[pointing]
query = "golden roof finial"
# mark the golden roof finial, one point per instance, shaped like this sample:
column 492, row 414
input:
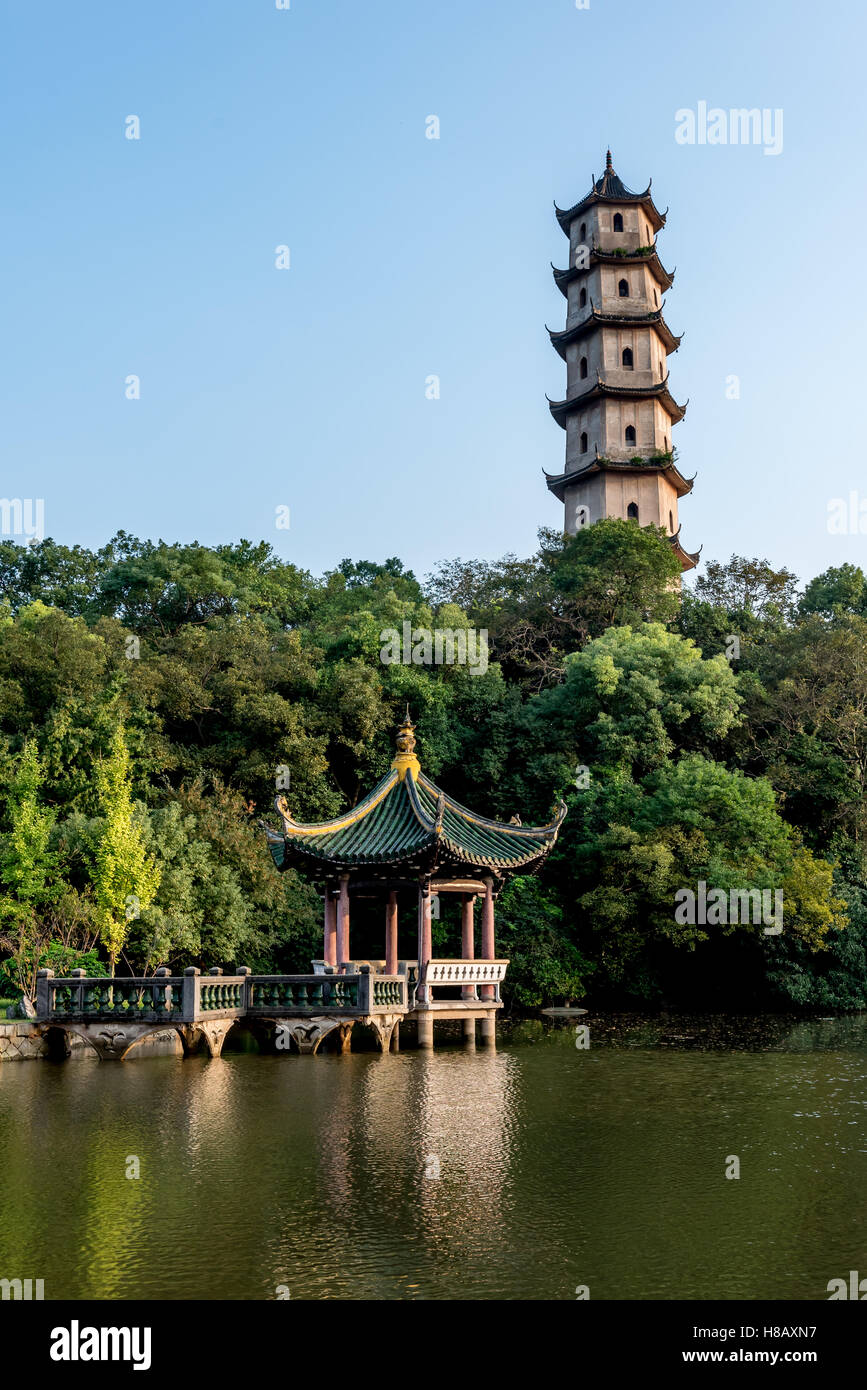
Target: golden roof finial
column 406, row 758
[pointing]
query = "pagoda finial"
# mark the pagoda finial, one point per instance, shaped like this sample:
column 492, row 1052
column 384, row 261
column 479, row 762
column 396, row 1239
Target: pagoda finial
column 406, row 760
column 609, row 167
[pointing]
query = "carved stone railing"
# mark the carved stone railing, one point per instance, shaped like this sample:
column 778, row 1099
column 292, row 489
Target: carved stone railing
column 468, row 975
column 192, row 997
column 352, row 995
column 141, row 999
column 94, row 998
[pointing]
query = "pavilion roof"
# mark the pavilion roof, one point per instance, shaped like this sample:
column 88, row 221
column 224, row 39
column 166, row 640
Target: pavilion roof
column 407, row 821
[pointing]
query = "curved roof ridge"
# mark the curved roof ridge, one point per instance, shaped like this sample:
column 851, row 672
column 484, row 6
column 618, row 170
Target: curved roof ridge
column 373, row 798
column 461, row 810
column 416, row 803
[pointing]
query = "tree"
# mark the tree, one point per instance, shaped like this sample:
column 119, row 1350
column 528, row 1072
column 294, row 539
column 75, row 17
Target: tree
column 628, row 848
column 29, row 873
column 751, row 587
column 539, row 611
column 125, row 878
column 544, row 966
column 808, row 726
column 835, row 592
column 631, row 698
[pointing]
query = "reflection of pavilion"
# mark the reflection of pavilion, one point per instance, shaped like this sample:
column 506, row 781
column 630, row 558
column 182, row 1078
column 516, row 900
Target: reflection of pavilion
column 429, row 1138
column 408, row 839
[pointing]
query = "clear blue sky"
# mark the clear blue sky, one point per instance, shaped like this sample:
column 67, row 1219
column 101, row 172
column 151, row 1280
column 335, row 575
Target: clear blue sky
column 409, row 256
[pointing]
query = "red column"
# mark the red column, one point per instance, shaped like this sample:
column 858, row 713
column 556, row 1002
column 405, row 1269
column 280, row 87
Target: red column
column 343, row 921
column 468, row 947
column 330, row 952
column 488, row 948
column 391, row 935
column 424, row 938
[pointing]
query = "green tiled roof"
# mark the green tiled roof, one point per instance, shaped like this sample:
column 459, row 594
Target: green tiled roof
column 408, row 822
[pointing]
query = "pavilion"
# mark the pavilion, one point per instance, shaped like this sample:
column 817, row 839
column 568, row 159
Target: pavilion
column 408, row 837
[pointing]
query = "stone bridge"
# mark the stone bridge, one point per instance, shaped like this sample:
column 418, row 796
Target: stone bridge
column 114, row 1014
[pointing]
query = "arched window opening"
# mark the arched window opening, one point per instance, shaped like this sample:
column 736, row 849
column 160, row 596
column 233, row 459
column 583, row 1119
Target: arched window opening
column 582, row 368
column 582, row 299
column 618, row 222
column 623, row 289
column 671, row 522
column 656, row 298
column 583, row 231
column 627, row 359
column 584, row 443
column 630, row 434
column 632, row 511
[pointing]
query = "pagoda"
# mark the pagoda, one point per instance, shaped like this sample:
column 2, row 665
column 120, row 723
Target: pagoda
column 405, row 842
column 618, row 413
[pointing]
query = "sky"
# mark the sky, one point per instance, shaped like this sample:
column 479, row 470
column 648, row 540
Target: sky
column 270, row 393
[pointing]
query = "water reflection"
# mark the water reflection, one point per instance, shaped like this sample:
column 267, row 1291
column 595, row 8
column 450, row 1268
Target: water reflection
column 556, row 1167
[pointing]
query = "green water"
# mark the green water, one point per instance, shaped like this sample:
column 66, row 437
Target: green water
column 557, row 1168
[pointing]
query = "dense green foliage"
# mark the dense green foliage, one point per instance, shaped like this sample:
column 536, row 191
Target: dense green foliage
column 149, row 693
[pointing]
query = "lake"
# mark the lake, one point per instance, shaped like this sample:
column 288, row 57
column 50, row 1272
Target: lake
column 516, row 1174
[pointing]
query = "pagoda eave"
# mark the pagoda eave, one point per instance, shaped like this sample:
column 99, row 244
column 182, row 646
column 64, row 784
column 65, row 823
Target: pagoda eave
column 688, row 558
column 664, row 278
column 566, row 216
column 652, row 319
column 559, row 482
column 561, row 410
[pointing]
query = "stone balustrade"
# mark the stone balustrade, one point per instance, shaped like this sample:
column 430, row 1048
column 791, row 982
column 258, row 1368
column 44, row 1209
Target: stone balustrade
column 357, row 995
column 467, row 974
column 191, row 997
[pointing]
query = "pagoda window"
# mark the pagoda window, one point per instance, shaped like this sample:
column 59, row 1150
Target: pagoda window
column 582, row 368
column 583, row 230
column 627, row 359
column 623, row 289
column 630, row 434
column 582, row 299
column 584, row 443
column 671, row 522
column 618, row 222
column 632, row 511
column 656, row 299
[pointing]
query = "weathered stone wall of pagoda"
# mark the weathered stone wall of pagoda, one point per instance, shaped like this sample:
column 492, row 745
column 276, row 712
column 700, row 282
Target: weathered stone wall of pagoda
column 605, row 422
column 602, row 283
column 603, row 352
column 595, row 227
column 609, row 494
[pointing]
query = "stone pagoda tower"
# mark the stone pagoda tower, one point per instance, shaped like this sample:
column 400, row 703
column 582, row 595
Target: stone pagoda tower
column 618, row 413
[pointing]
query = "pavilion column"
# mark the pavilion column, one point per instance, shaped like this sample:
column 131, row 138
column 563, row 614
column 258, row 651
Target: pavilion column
column 468, row 945
column 330, row 948
column 343, row 921
column 424, row 939
column 391, row 935
column 488, row 947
